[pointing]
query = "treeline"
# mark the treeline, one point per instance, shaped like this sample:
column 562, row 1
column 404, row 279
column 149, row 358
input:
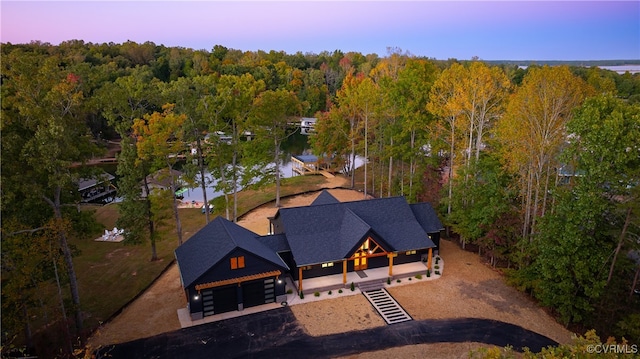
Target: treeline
column 539, row 165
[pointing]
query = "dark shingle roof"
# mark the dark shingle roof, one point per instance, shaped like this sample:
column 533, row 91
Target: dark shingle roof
column 324, row 198
column 427, row 217
column 327, row 232
column 213, row 243
column 277, row 242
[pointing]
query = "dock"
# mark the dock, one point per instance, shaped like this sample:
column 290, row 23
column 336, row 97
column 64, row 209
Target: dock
column 310, row 165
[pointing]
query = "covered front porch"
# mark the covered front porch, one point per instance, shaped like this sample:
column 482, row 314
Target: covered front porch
column 337, row 281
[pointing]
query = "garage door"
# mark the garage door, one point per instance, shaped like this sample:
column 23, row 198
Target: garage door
column 258, row 292
column 223, row 300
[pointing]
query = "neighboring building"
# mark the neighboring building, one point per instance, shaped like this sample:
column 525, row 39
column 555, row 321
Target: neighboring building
column 225, row 267
column 97, row 188
column 308, row 122
column 162, row 180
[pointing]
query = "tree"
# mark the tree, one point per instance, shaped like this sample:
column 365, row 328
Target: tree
column 481, row 198
column 606, row 151
column 443, row 105
column 237, row 94
column 572, row 246
column 186, row 94
column 122, row 101
column 411, row 96
column 159, row 138
column 592, row 214
column 44, row 106
column 272, row 113
column 533, row 131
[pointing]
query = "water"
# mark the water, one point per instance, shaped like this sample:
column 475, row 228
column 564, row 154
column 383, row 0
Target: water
column 621, row 69
column 296, row 144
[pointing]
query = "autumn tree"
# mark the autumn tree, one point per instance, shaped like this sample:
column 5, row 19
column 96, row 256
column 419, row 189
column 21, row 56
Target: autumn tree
column 576, row 246
column 447, row 127
column 159, row 138
column 186, row 93
column 533, row 131
column 122, row 101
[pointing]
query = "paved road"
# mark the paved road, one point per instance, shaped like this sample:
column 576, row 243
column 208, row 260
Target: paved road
column 277, row 334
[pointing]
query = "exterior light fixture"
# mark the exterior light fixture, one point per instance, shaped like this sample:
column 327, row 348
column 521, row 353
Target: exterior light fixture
column 279, row 281
column 196, row 297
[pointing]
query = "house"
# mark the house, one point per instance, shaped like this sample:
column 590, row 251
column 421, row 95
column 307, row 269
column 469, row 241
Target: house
column 331, row 237
column 225, row 267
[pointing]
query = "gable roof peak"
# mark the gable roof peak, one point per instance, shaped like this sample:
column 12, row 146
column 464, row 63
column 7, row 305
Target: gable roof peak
column 324, row 198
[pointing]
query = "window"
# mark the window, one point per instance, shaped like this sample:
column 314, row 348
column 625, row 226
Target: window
column 326, row 265
column 237, row 262
column 410, row 252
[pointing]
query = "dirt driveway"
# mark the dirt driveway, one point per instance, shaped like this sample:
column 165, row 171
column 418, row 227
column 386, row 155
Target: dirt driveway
column 467, row 289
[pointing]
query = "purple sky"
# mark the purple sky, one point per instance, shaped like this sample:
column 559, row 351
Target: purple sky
column 491, row 30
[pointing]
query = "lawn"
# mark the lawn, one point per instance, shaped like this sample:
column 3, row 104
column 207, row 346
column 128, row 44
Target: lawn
column 111, row 274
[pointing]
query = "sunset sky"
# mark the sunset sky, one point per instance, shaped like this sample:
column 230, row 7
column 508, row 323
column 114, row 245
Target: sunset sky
column 496, row 30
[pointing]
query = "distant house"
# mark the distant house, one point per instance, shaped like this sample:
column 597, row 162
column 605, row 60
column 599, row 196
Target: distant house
column 308, row 122
column 161, row 180
column 225, row 267
column 98, row 188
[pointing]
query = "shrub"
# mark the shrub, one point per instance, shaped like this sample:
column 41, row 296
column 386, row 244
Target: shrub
column 388, row 280
column 289, row 291
column 339, row 290
column 301, row 295
column 317, row 294
column 418, row 276
column 437, row 267
column 428, row 273
column 353, row 287
column 437, row 260
column 437, row 272
column 409, row 278
column 329, row 293
column 398, row 281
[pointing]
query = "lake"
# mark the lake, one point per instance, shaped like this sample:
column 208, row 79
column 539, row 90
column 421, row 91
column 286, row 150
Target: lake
column 296, row 144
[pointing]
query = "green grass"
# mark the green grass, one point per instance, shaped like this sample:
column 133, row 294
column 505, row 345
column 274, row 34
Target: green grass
column 112, row 274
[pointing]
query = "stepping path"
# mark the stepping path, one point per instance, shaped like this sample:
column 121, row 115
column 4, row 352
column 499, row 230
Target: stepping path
column 388, row 308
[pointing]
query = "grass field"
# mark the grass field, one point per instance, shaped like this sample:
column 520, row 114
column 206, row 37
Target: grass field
column 112, row 274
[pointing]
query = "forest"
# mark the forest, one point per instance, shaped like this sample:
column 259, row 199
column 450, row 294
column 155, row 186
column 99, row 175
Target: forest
column 535, row 168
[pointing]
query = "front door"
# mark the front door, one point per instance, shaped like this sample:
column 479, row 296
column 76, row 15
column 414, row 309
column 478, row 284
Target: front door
column 360, row 261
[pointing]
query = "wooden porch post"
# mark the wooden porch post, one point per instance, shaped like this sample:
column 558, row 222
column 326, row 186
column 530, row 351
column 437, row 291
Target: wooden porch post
column 344, row 271
column 299, row 279
column 390, row 256
column 429, row 258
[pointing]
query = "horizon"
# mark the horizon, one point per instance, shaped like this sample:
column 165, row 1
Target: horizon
column 571, row 31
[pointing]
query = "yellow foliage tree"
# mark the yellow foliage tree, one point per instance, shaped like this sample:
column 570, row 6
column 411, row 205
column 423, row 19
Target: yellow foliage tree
column 533, row 131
